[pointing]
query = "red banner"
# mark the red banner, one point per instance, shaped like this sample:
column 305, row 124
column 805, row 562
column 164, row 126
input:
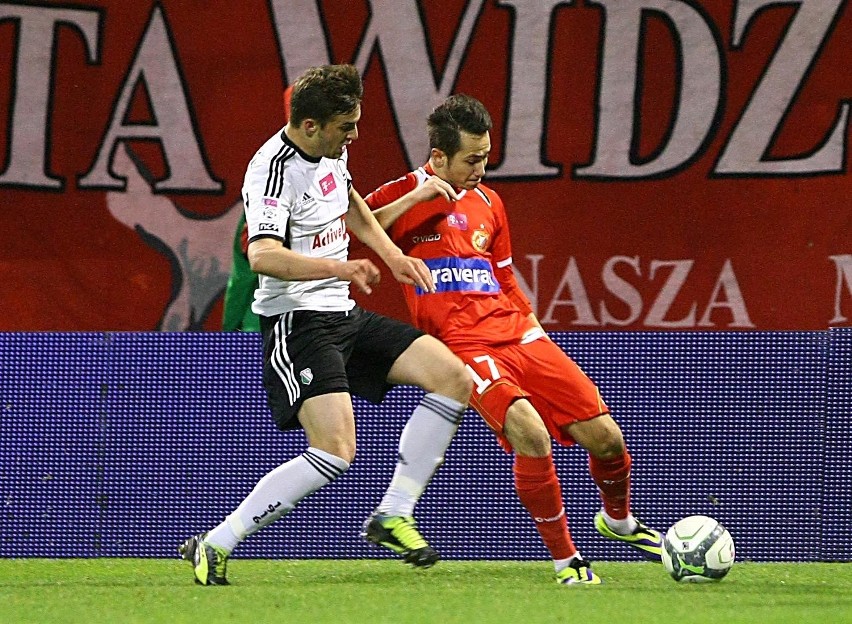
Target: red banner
column 666, row 164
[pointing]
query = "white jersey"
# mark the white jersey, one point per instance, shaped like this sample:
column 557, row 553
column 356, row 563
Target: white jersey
column 301, row 201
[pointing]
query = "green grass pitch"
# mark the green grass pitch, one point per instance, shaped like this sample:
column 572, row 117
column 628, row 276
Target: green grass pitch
column 118, row 591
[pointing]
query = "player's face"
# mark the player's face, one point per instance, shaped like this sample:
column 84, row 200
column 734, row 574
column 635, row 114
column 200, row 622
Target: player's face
column 467, row 166
column 339, row 131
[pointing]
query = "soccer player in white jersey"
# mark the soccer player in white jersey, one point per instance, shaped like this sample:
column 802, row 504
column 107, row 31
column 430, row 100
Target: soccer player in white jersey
column 318, row 345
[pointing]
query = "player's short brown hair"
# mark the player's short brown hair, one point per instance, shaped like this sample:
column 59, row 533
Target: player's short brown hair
column 324, row 92
column 457, row 113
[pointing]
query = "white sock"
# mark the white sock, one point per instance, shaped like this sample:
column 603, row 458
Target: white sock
column 622, row 527
column 422, row 445
column 561, row 564
column 276, row 494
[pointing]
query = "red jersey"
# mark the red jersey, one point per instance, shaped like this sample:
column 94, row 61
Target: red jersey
column 466, row 246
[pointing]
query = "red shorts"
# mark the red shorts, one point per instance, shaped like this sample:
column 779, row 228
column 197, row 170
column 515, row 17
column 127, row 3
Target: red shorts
column 539, row 372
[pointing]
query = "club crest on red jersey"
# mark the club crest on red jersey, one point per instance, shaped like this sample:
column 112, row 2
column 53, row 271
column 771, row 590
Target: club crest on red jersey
column 480, row 240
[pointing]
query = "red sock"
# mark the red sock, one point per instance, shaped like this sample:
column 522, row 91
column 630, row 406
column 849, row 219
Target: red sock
column 612, row 476
column 538, row 488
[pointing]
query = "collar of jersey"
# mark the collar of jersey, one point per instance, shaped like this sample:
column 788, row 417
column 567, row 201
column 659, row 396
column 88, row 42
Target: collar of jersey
column 308, row 157
column 459, row 190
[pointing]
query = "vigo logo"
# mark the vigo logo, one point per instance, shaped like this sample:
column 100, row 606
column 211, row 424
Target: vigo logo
column 426, row 238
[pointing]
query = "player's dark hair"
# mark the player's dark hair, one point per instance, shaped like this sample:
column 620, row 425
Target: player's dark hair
column 324, row 92
column 458, row 113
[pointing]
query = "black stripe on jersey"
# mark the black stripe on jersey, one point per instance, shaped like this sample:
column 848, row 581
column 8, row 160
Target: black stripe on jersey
column 323, row 466
column 275, row 178
column 483, row 195
column 272, row 236
column 439, row 409
column 270, row 174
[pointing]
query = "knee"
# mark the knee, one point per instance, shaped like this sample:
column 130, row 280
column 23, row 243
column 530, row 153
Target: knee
column 600, row 436
column 527, row 435
column 342, row 448
column 607, row 446
column 457, row 384
column 347, row 452
column 535, row 443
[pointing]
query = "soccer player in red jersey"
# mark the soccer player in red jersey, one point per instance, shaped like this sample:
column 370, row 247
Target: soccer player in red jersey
column 525, row 387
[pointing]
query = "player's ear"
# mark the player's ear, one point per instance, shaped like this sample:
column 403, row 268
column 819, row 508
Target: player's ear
column 437, row 157
column 310, row 126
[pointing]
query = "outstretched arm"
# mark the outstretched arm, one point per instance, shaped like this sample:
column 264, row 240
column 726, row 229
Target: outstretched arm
column 405, row 269
column 269, row 256
column 430, row 189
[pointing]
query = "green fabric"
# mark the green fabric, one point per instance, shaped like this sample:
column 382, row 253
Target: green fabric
column 239, row 294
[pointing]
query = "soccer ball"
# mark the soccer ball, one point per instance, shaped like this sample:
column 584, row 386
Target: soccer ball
column 698, row 549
